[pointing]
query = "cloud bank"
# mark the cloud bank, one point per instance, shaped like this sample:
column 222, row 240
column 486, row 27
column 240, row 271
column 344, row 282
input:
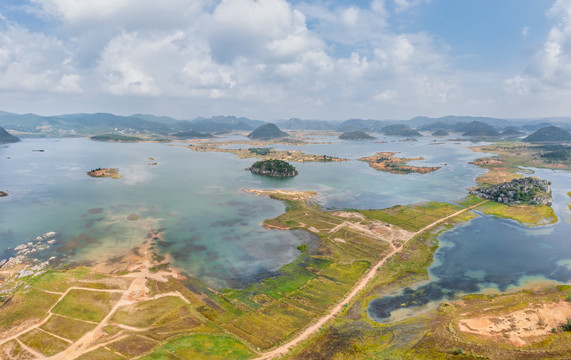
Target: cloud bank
column 265, row 59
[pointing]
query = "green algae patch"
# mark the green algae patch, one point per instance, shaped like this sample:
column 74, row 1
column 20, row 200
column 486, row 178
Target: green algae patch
column 202, row 347
column 86, row 305
column 43, row 342
column 525, row 214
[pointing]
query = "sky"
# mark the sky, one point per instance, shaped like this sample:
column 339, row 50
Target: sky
column 277, row 59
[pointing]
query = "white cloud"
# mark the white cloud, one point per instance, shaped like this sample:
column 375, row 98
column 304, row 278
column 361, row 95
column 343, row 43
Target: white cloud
column 257, row 58
column 403, row 5
column 550, row 67
column 32, row 61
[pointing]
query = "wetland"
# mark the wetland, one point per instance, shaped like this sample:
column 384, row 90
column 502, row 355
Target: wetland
column 245, row 262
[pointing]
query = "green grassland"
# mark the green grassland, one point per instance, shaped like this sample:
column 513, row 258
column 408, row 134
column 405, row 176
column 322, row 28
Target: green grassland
column 101, row 354
column 352, row 335
column 526, row 214
column 86, row 305
column 67, row 328
column 202, row 347
column 412, row 217
column 201, row 323
column 26, row 305
column 43, row 342
column 432, row 334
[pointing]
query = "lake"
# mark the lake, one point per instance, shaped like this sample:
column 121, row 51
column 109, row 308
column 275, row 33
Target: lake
column 212, row 228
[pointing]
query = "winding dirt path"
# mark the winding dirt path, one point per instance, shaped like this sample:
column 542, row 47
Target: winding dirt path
column 360, row 285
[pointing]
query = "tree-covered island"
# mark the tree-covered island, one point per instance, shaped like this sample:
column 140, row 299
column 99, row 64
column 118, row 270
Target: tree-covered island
column 274, row 168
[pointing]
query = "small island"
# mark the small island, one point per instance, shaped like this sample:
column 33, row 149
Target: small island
column 356, row 135
column 273, row 168
column 524, row 191
column 400, row 130
column 267, row 131
column 440, row 132
column 385, row 161
column 116, row 138
column 3, row 193
column 549, row 134
column 106, row 172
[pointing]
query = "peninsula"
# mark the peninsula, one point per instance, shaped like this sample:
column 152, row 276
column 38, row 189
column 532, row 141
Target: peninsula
column 525, row 191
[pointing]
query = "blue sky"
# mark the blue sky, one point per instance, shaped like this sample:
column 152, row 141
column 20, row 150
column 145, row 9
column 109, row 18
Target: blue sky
column 273, row 59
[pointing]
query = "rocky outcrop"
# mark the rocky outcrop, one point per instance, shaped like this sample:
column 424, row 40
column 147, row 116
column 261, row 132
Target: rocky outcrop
column 524, row 191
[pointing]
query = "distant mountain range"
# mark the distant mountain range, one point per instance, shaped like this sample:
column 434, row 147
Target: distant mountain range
column 137, row 124
column 88, row 124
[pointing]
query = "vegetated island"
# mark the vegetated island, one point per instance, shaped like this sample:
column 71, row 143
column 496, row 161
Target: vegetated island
column 549, row 134
column 6, row 137
column 104, row 172
column 262, row 151
column 267, row 131
column 525, row 191
column 273, row 168
column 400, row 130
column 440, row 132
column 506, row 166
column 385, row 161
column 356, row 135
column 116, row 138
column 193, row 134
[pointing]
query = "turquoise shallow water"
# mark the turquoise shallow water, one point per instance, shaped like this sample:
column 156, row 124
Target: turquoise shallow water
column 211, row 226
